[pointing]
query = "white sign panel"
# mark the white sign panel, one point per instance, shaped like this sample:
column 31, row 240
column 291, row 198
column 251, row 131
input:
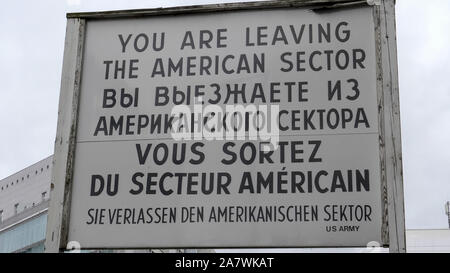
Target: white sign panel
column 253, row 128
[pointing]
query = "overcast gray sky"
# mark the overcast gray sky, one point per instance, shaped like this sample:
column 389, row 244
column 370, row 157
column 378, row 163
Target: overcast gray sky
column 31, row 49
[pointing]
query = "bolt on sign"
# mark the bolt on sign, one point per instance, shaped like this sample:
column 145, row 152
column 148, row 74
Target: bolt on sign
column 266, row 124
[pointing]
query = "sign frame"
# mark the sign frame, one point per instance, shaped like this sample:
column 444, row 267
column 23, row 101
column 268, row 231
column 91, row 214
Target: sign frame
column 392, row 203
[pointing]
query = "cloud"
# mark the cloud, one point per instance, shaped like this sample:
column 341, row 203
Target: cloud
column 423, row 51
column 73, row 2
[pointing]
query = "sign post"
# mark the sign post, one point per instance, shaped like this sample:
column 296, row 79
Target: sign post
column 261, row 124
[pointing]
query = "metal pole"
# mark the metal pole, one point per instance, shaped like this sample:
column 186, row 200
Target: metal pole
column 447, row 211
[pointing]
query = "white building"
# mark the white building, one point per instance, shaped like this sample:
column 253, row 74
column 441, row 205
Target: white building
column 23, row 208
column 24, row 201
column 428, row 240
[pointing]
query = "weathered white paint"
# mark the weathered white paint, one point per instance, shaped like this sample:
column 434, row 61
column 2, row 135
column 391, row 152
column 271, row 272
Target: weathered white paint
column 392, row 141
column 65, row 138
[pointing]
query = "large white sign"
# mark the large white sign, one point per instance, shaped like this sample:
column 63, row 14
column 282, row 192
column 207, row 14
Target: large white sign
column 253, row 128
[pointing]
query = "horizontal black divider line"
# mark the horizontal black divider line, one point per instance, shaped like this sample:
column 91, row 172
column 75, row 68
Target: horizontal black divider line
column 169, row 138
